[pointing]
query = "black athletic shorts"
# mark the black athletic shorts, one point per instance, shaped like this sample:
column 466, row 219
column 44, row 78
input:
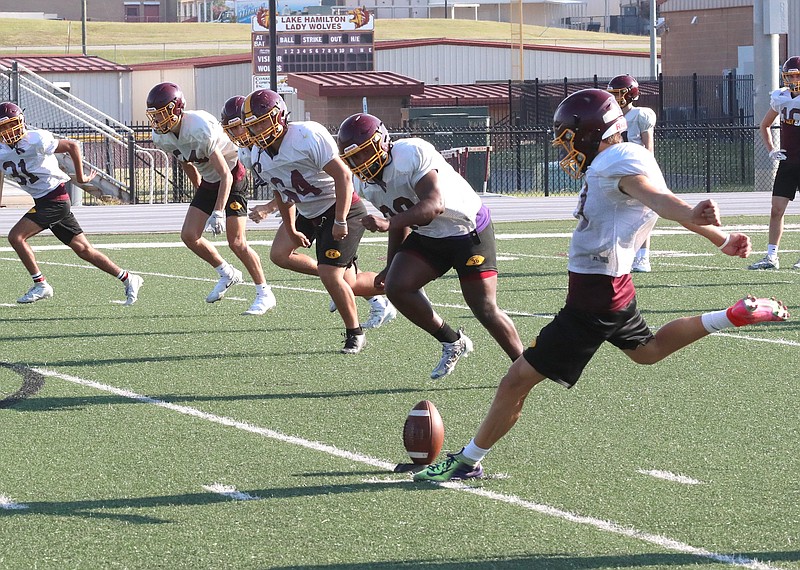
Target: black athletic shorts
column 320, row 229
column 566, row 345
column 56, row 215
column 472, row 254
column 205, row 198
column 787, row 180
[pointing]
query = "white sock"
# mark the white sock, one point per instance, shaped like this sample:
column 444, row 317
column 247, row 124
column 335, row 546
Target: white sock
column 224, row 270
column 473, row 452
column 772, row 251
column 262, row 289
column 716, row 321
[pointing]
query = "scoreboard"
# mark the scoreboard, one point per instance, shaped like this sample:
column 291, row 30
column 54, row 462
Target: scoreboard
column 317, row 51
column 314, row 44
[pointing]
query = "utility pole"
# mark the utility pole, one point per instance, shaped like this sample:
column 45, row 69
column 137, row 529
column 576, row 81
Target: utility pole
column 83, row 26
column 653, row 54
column 273, row 45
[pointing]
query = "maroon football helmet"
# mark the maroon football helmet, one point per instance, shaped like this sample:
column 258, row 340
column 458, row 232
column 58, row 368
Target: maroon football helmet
column 12, row 123
column 364, row 145
column 580, row 123
column 265, row 116
column 625, row 88
column 790, row 73
column 165, row 104
column 232, row 123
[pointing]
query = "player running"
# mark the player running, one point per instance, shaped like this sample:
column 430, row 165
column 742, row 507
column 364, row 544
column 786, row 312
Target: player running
column 435, row 222
column 28, row 156
column 209, row 159
column 315, row 196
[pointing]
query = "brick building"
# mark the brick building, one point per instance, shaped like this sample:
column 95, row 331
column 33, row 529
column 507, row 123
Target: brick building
column 708, row 37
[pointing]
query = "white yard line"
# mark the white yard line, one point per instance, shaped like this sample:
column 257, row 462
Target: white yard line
column 606, row 526
column 669, row 476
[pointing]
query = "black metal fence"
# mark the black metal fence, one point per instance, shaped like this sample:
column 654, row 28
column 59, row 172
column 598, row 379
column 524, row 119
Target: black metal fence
column 523, row 161
column 678, row 101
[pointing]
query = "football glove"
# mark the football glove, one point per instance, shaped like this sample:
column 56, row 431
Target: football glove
column 216, row 222
column 777, row 154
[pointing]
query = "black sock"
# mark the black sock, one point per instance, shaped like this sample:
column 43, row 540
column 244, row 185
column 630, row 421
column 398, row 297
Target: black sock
column 355, row 332
column 445, row 334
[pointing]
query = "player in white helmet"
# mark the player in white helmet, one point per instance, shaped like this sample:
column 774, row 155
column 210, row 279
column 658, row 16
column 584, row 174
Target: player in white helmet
column 210, row 160
column 436, row 222
column 28, row 157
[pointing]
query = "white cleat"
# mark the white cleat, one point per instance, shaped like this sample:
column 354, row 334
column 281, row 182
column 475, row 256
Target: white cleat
column 39, row 291
column 132, row 285
column 451, row 353
column 641, row 264
column 381, row 311
column 262, row 304
column 332, row 306
column 223, row 285
column 766, row 263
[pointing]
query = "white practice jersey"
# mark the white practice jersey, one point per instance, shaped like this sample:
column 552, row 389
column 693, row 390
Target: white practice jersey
column 412, row 159
column 611, row 224
column 32, row 163
column 199, row 136
column 246, row 158
column 296, row 172
column 639, row 119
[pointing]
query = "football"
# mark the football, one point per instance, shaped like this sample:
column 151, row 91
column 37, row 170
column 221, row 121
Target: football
column 423, row 433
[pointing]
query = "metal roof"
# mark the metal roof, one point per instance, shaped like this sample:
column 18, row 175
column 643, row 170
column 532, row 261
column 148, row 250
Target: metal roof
column 401, row 44
column 374, row 83
column 63, row 63
column 466, row 95
column 200, row 61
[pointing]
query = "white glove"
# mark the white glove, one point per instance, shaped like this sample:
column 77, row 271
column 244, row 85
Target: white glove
column 216, row 222
column 777, row 154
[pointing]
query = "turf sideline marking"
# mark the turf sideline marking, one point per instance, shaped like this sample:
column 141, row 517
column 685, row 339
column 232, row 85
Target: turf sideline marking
column 9, row 504
column 669, row 476
column 607, row 526
column 231, row 492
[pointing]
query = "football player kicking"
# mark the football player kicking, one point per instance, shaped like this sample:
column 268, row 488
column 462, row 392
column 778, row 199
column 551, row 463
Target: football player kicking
column 28, row 156
column 209, row 159
column 436, row 222
column 283, row 252
column 314, row 192
column 622, row 195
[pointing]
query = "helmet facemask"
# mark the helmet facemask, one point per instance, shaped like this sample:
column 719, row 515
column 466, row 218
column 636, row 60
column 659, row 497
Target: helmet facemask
column 273, row 127
column 791, row 80
column 619, row 95
column 571, row 160
column 162, row 120
column 12, row 129
column 376, row 157
column 238, row 133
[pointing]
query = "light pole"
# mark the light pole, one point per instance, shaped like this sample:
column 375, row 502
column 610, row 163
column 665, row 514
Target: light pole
column 83, row 26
